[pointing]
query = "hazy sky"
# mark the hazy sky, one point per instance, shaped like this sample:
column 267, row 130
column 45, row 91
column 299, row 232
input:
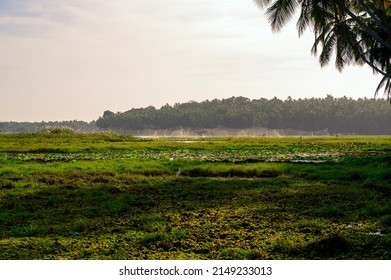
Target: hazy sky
column 73, row 59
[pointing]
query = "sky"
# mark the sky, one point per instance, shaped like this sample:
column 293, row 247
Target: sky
column 74, row 59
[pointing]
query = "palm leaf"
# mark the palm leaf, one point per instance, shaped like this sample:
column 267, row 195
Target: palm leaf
column 262, row 3
column 327, row 50
column 280, row 13
column 305, row 20
column 384, row 80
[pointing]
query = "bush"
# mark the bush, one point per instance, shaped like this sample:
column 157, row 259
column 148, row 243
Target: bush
column 57, row 130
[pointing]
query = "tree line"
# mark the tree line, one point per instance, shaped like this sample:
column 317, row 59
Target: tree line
column 337, row 115
column 78, row 126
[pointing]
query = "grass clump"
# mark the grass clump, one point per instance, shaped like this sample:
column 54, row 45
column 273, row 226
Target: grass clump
column 56, row 131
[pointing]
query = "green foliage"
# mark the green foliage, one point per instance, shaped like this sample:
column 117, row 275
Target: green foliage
column 28, row 230
column 334, row 115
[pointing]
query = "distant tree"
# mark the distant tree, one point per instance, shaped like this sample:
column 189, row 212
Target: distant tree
column 357, row 31
column 108, row 114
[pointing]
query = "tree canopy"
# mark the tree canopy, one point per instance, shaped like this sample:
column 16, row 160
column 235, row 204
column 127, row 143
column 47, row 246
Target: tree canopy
column 358, row 32
column 337, row 115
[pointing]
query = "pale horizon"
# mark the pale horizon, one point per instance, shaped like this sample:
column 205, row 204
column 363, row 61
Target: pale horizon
column 72, row 60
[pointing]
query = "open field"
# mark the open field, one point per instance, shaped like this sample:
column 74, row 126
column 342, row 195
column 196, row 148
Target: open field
column 109, row 196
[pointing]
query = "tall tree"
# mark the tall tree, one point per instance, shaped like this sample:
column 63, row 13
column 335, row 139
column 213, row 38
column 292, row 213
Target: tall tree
column 357, row 31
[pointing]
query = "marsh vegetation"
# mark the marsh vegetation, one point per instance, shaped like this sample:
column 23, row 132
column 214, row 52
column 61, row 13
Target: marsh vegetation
column 65, row 195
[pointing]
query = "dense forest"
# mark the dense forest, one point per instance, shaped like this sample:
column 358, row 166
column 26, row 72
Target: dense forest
column 336, row 115
column 79, row 126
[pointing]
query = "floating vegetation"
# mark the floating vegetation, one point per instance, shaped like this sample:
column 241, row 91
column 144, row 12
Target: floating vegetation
column 240, row 155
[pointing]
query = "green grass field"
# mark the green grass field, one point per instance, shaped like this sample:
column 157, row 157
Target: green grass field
column 65, row 195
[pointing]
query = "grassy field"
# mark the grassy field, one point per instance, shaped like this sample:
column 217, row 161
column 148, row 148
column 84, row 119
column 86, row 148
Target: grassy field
column 109, row 196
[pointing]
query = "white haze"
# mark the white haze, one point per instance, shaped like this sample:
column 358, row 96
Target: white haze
column 73, row 59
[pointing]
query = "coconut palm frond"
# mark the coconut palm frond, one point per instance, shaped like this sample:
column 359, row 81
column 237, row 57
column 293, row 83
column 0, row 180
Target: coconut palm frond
column 339, row 62
column 314, row 49
column 348, row 41
column 305, row 20
column 387, row 89
column 262, row 3
column 344, row 55
column 321, row 36
column 384, row 81
column 280, row 13
column 321, row 18
column 328, row 49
